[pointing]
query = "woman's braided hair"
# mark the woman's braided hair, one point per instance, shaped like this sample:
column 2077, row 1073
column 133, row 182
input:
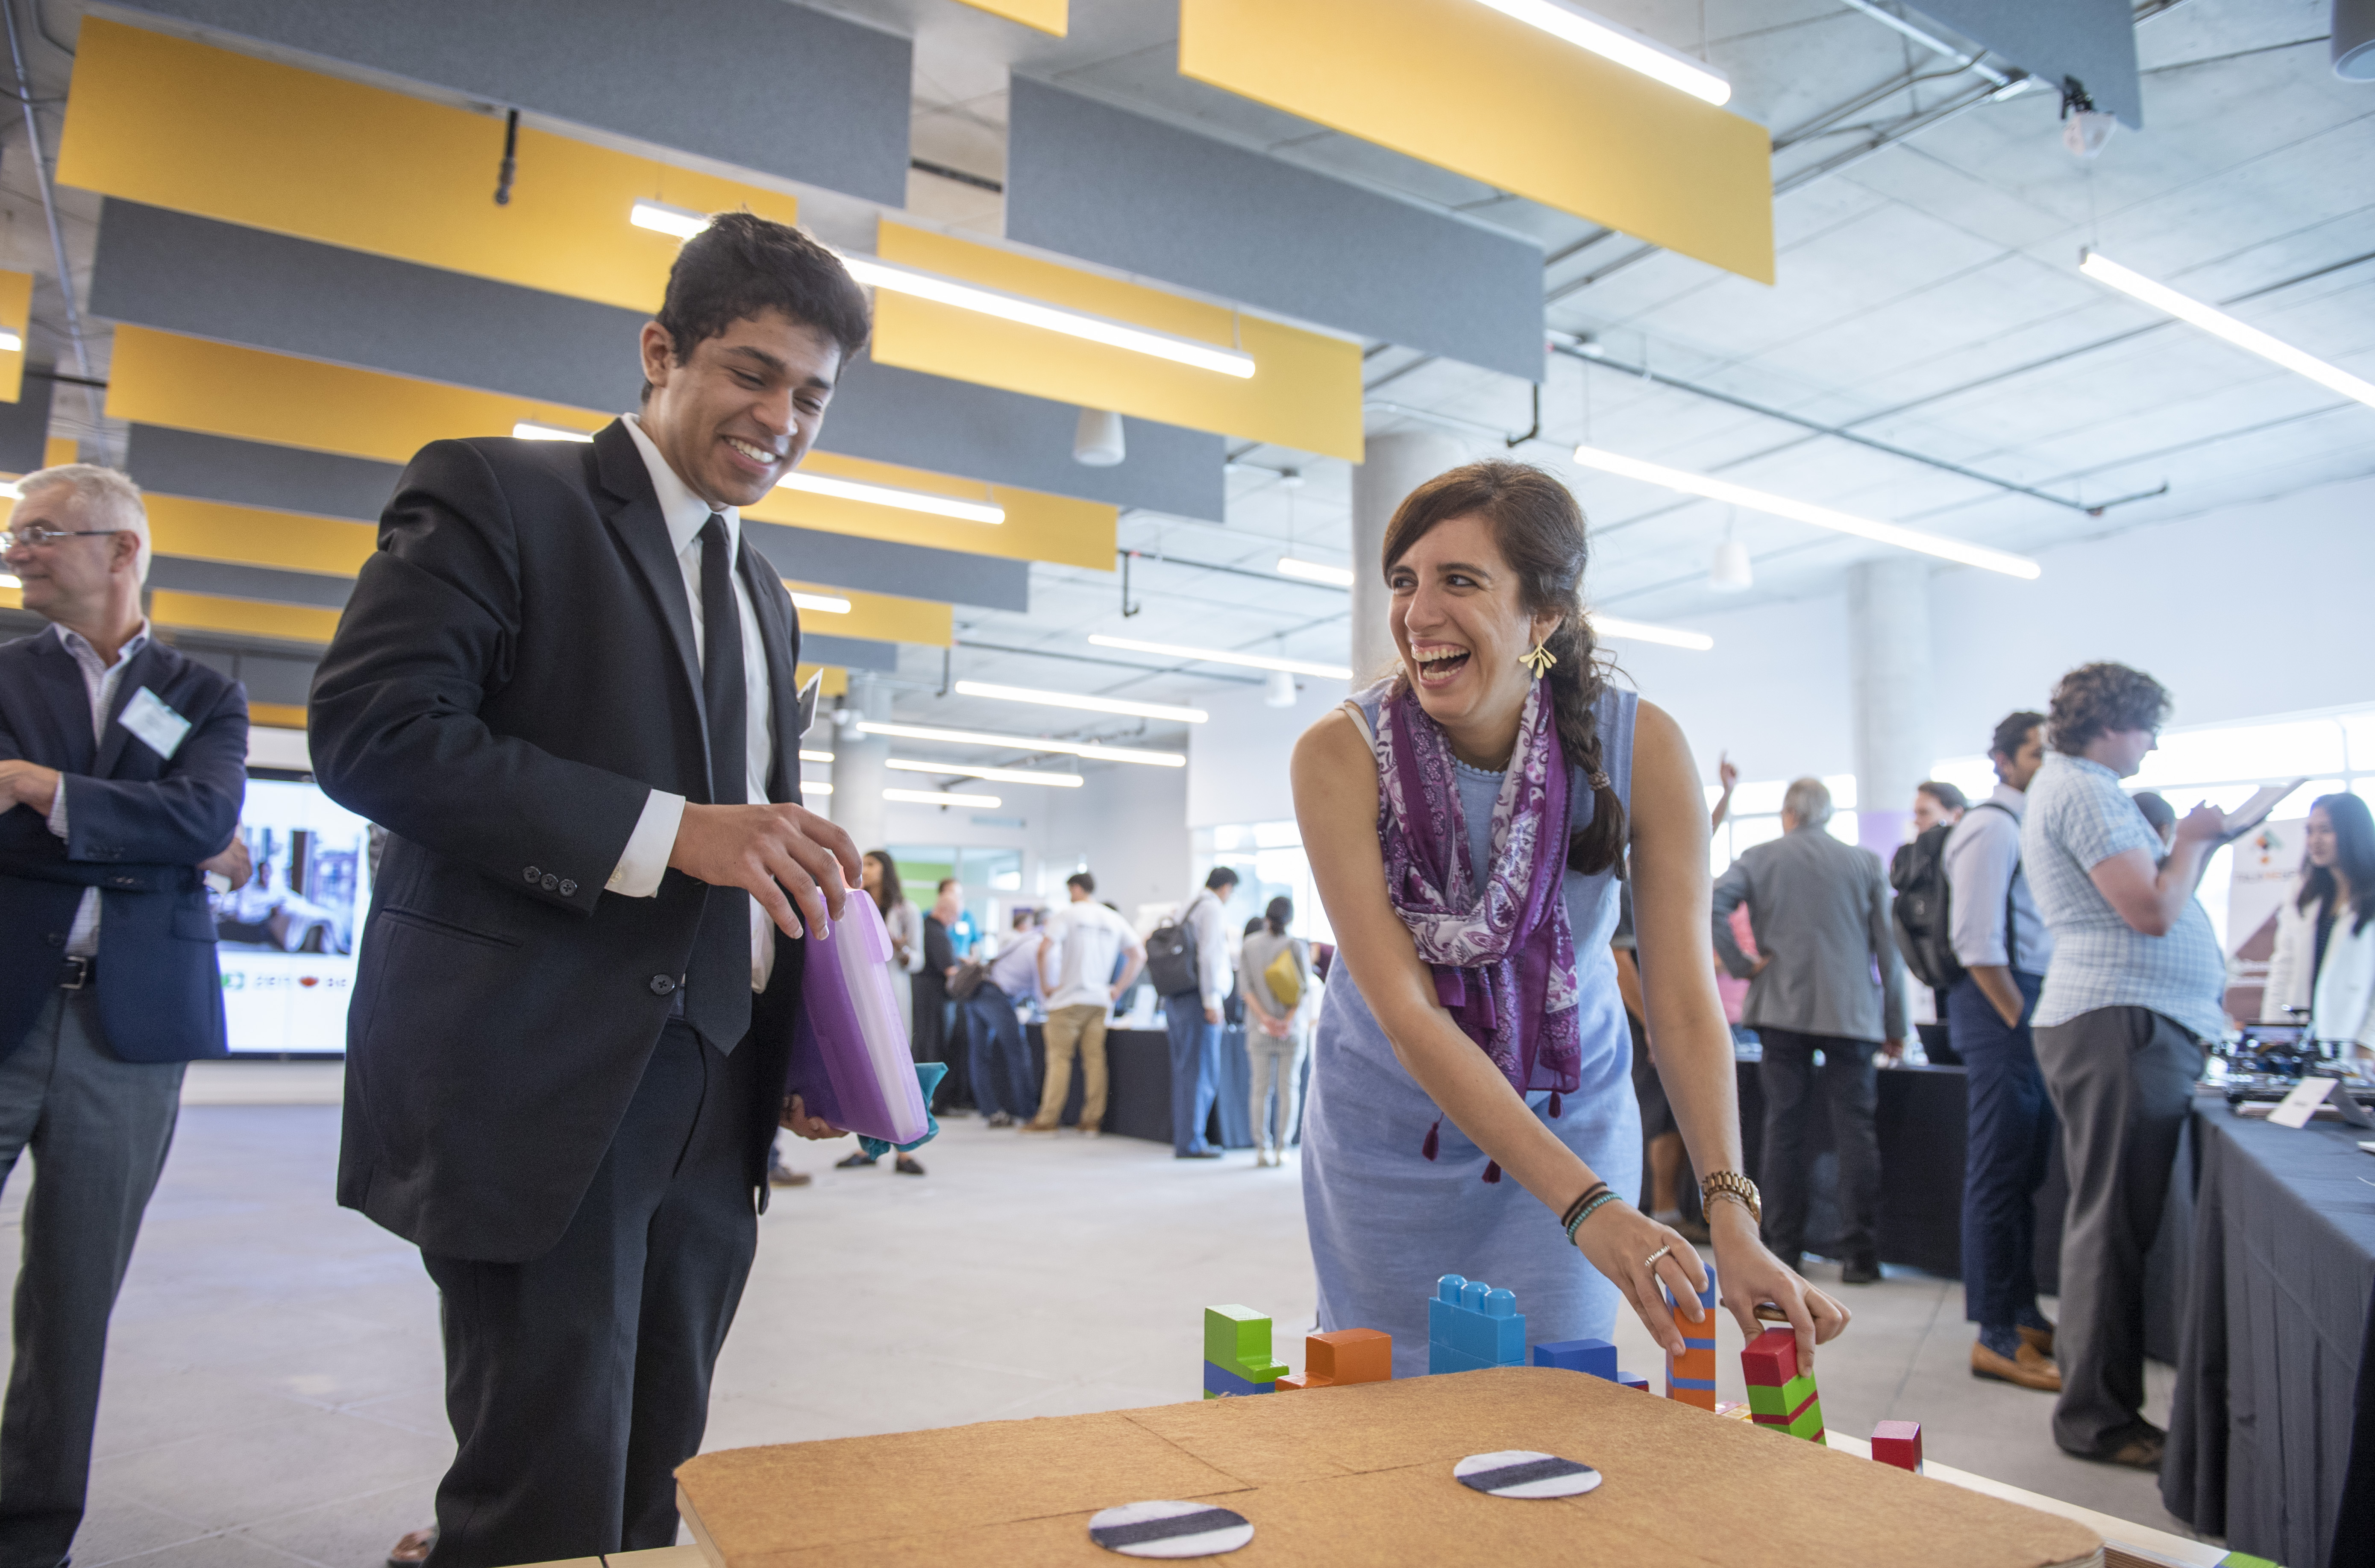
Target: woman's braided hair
column 1539, row 530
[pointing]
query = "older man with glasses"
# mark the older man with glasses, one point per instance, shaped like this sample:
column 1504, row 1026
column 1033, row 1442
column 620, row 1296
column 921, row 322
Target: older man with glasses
column 123, row 765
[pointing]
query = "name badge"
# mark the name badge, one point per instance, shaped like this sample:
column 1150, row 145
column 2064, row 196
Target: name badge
column 153, row 723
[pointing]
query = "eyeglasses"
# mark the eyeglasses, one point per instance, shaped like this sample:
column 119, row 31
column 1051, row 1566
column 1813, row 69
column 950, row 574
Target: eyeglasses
column 37, row 535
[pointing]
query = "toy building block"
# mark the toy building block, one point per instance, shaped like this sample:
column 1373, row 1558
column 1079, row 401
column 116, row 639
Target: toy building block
column 1471, row 1326
column 1594, row 1358
column 1733, row 1411
column 1348, row 1355
column 1639, row 1380
column 1690, row 1376
column 1771, row 1359
column 1898, row 1444
column 1237, row 1353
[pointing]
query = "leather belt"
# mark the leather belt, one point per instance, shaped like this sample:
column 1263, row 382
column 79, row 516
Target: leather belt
column 74, row 973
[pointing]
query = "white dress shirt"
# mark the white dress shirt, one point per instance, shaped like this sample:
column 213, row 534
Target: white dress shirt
column 1215, row 958
column 99, row 682
column 1982, row 867
column 640, row 868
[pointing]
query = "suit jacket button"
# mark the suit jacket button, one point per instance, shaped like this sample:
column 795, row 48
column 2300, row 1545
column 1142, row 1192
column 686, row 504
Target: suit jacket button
column 662, row 984
column 568, row 887
column 551, row 881
column 532, row 874
column 55, row 938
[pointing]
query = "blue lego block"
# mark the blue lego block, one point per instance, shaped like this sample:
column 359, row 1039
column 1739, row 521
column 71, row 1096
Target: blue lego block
column 1635, row 1380
column 1220, row 1383
column 1596, row 1358
column 1481, row 1323
column 1442, row 1358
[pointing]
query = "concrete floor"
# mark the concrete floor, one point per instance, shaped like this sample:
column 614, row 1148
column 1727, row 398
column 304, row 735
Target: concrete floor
column 273, row 1391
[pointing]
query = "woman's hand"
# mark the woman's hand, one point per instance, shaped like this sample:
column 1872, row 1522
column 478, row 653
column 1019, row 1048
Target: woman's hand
column 1749, row 1274
column 794, row 1119
column 1638, row 1254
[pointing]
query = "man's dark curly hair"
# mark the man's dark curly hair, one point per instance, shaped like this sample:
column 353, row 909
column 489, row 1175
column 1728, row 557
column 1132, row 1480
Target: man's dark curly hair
column 2095, row 698
column 743, row 264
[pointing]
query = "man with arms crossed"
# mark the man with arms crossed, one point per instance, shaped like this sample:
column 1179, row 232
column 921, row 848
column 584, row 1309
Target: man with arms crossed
column 565, row 684
column 2133, row 988
column 122, row 769
column 1075, row 965
column 2002, row 944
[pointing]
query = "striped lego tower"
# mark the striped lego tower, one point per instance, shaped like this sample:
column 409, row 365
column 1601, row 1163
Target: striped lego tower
column 1780, row 1395
column 1690, row 1376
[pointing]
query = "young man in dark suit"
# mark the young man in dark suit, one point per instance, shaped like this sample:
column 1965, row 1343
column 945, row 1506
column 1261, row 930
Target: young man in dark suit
column 121, row 769
column 564, row 683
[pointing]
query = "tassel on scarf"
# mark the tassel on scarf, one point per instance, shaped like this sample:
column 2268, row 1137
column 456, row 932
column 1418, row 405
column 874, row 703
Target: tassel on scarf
column 1491, row 1172
column 1555, row 1103
column 1433, row 1142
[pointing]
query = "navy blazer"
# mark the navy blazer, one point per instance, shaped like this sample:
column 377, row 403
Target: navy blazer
column 514, row 676
column 137, row 825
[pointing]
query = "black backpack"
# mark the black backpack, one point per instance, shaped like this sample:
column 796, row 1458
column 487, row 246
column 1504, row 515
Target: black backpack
column 1923, row 915
column 1171, row 959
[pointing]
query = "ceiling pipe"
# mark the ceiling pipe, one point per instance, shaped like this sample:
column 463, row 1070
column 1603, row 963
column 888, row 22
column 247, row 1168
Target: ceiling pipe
column 50, row 209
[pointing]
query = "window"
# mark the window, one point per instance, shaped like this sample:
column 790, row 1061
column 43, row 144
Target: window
column 1269, row 860
column 1756, row 815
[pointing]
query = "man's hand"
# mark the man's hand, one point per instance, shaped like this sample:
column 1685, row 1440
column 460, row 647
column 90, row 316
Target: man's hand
column 794, row 1117
column 233, row 863
column 1892, row 1050
column 769, row 852
column 1212, row 1014
column 2204, row 824
column 1763, row 959
column 27, row 783
column 1726, row 772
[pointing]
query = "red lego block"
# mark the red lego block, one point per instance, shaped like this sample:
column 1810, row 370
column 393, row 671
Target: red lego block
column 1349, row 1355
column 1898, row 1444
column 1771, row 1359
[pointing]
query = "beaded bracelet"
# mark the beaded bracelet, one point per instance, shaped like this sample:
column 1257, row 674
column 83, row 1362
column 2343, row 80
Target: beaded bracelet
column 1585, row 1213
column 1594, row 1190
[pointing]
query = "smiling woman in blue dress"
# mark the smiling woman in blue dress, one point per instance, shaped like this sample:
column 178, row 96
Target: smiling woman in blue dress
column 1466, row 820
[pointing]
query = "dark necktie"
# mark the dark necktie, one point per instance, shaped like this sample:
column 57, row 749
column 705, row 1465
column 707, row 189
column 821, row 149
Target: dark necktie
column 718, row 1003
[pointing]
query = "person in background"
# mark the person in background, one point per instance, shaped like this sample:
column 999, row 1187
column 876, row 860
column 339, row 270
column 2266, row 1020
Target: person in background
column 1195, row 1021
column 1936, row 804
column 1076, row 958
column 2002, row 945
column 2160, row 815
column 1820, row 911
column 2324, row 960
column 933, row 1005
column 927, row 992
column 997, row 1057
column 2135, row 985
column 123, row 766
column 1274, row 1040
column 905, row 922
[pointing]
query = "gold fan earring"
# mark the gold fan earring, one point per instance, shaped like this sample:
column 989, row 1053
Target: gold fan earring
column 1541, row 660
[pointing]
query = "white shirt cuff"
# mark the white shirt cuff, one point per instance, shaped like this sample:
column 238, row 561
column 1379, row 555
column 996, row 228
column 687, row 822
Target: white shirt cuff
column 57, row 818
column 646, row 860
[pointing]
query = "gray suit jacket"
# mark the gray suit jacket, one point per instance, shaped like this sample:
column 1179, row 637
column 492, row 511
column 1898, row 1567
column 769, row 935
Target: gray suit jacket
column 1820, row 911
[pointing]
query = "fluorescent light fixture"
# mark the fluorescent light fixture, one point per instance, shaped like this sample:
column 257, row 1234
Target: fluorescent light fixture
column 1215, row 656
column 815, row 786
column 1087, row 705
column 2218, row 323
column 988, row 775
column 9, row 489
column 1805, row 512
column 820, row 604
column 1087, row 749
column 1316, row 572
column 679, row 222
column 9, row 581
column 1030, row 312
column 883, row 495
column 1622, row 45
column 1643, row 631
column 941, row 797
column 808, row 756
column 528, row 430
column 10, row 343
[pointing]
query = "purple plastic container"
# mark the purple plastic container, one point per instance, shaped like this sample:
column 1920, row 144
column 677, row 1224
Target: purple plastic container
column 851, row 1061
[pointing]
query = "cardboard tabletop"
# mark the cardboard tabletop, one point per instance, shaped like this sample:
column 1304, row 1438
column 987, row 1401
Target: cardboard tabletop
column 1359, row 1475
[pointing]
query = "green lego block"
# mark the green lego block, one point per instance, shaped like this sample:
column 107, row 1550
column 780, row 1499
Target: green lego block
column 1809, row 1424
column 1782, row 1401
column 1234, row 1335
column 2239, row 1560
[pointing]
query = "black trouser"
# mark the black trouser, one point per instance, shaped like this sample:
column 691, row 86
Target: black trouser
column 1850, row 1087
column 579, row 1381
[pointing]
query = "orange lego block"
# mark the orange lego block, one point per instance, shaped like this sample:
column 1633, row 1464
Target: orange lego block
column 1294, row 1380
column 1349, row 1355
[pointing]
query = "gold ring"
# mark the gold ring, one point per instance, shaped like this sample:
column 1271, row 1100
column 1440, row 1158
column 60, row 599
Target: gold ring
column 1651, row 1261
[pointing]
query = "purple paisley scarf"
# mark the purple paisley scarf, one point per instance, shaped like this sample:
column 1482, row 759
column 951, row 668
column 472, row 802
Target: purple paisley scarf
column 1498, row 939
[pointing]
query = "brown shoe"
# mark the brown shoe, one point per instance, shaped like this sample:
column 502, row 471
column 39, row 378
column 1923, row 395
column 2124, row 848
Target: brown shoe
column 783, row 1176
column 413, row 1549
column 2139, row 1447
column 2027, row 1369
column 2039, row 1340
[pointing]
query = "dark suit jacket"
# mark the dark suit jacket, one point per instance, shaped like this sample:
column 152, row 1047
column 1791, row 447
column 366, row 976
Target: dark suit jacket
column 514, row 673
column 137, row 826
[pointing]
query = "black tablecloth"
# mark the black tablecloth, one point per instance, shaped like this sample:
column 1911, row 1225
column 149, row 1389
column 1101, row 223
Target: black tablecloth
column 1138, row 1086
column 2272, row 1439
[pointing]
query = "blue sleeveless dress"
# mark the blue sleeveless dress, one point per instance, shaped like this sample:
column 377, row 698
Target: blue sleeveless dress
column 1385, row 1221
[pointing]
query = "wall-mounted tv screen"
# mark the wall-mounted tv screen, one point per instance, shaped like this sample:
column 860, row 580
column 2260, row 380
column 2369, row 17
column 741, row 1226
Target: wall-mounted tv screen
column 287, row 940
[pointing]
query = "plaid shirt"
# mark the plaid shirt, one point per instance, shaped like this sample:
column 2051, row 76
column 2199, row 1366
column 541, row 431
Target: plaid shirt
column 2078, row 818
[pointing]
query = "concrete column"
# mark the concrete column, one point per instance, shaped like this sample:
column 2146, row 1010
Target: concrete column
column 1889, row 653
column 859, row 774
column 1396, row 464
